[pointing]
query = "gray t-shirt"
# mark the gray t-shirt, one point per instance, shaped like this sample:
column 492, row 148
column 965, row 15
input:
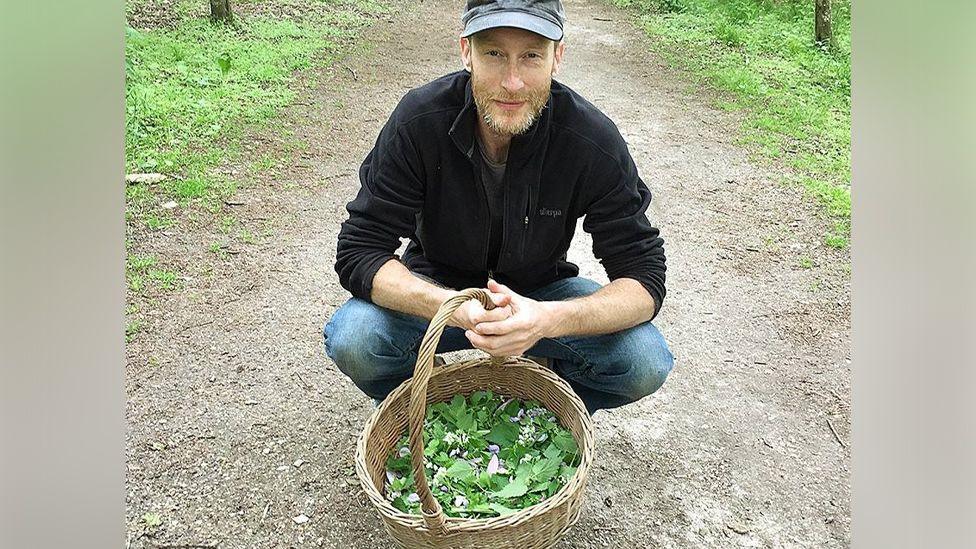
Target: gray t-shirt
column 492, row 175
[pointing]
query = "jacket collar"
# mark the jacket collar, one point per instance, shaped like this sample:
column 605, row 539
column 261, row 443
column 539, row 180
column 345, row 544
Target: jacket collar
column 463, row 129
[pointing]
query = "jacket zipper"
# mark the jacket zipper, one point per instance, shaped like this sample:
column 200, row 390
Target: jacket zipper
column 484, row 195
column 525, row 222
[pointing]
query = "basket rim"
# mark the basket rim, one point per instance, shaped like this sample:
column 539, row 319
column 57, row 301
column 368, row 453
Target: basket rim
column 574, row 484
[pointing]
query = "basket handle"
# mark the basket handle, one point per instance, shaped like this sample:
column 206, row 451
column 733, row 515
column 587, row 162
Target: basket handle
column 417, row 408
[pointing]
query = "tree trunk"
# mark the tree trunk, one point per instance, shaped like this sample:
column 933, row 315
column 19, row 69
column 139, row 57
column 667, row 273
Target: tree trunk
column 220, row 12
column 823, row 33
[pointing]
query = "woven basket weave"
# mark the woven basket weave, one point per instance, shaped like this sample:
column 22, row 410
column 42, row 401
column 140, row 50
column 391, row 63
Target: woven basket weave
column 538, row 526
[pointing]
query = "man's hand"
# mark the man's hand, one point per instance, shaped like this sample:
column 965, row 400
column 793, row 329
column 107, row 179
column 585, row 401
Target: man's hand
column 516, row 334
column 472, row 313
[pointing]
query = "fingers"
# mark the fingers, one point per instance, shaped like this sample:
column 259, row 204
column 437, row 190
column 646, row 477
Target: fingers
column 499, row 345
column 494, row 345
column 494, row 315
column 500, row 327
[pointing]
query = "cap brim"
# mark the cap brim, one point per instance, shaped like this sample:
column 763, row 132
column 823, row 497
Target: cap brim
column 518, row 20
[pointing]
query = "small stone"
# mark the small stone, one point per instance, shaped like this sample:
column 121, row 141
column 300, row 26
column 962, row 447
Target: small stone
column 170, row 205
column 148, row 178
column 282, row 467
column 738, row 527
column 607, row 501
column 300, row 519
column 298, row 463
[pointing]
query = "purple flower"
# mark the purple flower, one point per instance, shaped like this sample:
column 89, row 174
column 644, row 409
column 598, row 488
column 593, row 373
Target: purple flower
column 413, row 497
column 493, row 464
column 390, row 477
column 493, row 448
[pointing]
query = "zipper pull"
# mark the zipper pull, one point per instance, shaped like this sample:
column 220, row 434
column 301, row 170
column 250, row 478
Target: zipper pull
column 526, row 221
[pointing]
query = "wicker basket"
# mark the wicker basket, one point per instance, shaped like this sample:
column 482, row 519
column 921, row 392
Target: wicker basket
column 538, row 526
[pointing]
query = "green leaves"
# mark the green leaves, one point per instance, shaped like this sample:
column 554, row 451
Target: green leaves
column 545, row 469
column 503, row 433
column 485, row 456
column 565, row 442
column 513, row 489
column 461, row 470
column 224, row 63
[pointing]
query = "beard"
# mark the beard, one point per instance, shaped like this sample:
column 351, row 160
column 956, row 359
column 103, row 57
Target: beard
column 509, row 123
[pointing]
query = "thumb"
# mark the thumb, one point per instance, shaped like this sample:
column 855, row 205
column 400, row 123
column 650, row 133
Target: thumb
column 496, row 287
column 500, row 300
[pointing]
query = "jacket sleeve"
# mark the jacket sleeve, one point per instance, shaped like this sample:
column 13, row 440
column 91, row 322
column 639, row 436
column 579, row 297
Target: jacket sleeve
column 390, row 196
column 623, row 239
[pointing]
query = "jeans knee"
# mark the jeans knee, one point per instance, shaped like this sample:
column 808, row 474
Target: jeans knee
column 637, row 366
column 360, row 351
column 649, row 375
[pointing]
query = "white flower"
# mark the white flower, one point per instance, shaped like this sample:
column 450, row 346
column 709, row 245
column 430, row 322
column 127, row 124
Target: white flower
column 460, row 501
column 404, row 451
column 413, row 497
column 493, row 464
column 536, row 412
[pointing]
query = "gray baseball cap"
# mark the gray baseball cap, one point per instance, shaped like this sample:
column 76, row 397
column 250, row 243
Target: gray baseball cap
column 544, row 17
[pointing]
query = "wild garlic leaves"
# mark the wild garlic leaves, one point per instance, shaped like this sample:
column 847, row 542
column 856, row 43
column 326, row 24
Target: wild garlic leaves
column 486, row 456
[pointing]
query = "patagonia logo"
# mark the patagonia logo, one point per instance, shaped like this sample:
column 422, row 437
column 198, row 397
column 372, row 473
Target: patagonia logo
column 550, row 212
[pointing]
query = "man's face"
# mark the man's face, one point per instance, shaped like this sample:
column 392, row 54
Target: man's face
column 511, row 74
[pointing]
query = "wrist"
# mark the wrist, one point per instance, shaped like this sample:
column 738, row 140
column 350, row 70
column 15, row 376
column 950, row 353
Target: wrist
column 558, row 318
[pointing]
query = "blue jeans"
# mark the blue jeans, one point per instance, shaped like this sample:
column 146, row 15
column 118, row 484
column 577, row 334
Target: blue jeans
column 377, row 348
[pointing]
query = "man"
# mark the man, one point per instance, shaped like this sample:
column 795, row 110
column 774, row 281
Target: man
column 486, row 171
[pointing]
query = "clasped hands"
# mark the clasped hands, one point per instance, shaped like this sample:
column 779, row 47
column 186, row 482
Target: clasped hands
column 511, row 328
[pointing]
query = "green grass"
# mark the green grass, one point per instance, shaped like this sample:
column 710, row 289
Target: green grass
column 193, row 89
column 796, row 95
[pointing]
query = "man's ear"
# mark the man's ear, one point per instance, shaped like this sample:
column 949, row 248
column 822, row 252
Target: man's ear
column 558, row 57
column 465, row 44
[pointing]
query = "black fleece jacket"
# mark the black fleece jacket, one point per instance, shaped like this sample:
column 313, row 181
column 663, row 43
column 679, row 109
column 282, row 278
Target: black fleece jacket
column 422, row 181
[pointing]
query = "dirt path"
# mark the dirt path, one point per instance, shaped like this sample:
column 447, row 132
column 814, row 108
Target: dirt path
column 237, row 422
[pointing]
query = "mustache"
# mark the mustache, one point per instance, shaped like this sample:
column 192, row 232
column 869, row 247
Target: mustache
column 522, row 99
